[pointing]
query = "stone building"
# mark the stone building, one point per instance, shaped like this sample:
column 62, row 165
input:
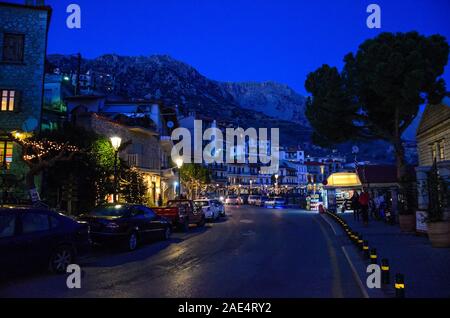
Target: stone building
column 23, row 44
column 147, row 124
column 433, row 141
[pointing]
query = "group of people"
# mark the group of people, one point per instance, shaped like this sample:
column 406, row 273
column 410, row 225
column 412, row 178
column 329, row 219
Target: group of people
column 364, row 205
column 360, row 206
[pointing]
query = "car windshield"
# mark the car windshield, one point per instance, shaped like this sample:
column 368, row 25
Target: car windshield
column 173, row 204
column 110, row 210
column 201, row 203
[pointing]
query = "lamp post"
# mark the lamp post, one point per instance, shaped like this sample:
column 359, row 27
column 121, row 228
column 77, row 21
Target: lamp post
column 251, row 181
column 276, row 184
column 179, row 163
column 115, row 142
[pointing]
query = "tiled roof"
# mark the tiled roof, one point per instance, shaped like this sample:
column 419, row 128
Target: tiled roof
column 381, row 173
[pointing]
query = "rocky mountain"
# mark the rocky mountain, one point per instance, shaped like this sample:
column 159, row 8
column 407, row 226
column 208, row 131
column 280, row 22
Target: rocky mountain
column 176, row 83
column 273, row 99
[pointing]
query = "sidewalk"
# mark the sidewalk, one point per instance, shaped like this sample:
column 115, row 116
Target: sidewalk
column 426, row 269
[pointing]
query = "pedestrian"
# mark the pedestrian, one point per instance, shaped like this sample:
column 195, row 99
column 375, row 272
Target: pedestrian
column 364, row 199
column 160, row 201
column 355, row 205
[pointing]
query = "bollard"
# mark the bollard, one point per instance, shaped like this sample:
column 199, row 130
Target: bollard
column 356, row 238
column 385, row 276
column 373, row 256
column 366, row 249
column 360, row 242
column 399, row 286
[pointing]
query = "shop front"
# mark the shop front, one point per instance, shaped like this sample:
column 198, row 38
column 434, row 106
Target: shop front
column 339, row 189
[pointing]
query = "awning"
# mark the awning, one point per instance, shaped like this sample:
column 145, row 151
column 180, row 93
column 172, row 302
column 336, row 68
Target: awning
column 343, row 180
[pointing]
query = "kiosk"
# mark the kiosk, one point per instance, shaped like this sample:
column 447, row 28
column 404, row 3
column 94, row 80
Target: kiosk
column 339, row 189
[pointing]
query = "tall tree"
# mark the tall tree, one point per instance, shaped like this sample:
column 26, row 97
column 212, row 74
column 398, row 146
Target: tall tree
column 378, row 93
column 194, row 177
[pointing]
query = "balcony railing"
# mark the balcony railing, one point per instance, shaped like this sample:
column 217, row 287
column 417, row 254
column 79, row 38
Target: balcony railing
column 134, row 160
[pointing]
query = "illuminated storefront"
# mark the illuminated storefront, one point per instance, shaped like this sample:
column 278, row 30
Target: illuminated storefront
column 339, row 189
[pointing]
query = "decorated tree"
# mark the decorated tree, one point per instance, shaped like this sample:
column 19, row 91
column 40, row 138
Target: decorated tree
column 132, row 186
column 39, row 154
column 194, row 178
column 378, row 93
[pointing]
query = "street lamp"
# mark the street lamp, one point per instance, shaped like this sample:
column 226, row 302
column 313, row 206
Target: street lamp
column 276, row 184
column 179, row 163
column 115, row 142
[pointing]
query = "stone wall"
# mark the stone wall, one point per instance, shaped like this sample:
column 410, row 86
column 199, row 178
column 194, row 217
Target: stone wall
column 26, row 77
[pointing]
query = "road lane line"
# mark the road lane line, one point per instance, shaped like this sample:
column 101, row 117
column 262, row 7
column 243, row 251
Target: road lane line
column 331, row 225
column 354, row 272
column 337, row 283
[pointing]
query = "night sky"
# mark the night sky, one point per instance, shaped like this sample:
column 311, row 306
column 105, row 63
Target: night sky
column 240, row 40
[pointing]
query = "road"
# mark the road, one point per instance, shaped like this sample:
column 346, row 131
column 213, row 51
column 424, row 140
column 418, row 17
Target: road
column 253, row 252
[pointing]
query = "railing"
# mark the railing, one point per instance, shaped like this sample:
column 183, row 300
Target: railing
column 134, row 160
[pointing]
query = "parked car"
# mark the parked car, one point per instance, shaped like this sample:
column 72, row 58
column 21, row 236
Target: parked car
column 275, row 202
column 36, row 238
column 233, row 200
column 261, row 200
column 127, row 224
column 252, row 199
column 220, row 207
column 182, row 213
column 210, row 208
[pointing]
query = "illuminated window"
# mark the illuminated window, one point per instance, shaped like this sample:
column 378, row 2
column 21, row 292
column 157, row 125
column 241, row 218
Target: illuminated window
column 437, row 151
column 441, row 151
column 6, row 153
column 9, row 98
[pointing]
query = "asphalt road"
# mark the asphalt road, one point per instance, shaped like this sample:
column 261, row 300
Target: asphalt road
column 253, row 252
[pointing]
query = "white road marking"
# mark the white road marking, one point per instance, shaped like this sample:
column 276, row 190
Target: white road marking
column 355, row 273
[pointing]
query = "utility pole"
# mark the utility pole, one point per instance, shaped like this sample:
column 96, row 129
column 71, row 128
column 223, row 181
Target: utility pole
column 77, row 86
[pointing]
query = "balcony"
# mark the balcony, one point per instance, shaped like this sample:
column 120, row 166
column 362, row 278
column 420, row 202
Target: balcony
column 134, row 160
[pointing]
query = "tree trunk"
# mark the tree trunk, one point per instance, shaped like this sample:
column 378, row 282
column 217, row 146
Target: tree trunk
column 32, row 191
column 400, row 161
column 403, row 204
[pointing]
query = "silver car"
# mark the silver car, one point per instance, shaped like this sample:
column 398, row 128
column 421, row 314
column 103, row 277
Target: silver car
column 210, row 209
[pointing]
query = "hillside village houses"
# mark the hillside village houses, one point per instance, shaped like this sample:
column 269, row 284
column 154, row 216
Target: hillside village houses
column 33, row 101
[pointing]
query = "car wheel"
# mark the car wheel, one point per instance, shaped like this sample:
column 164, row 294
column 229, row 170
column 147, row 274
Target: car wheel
column 132, row 242
column 61, row 258
column 202, row 222
column 185, row 226
column 167, row 233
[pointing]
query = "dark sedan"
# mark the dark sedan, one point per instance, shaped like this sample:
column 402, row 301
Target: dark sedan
column 32, row 238
column 127, row 224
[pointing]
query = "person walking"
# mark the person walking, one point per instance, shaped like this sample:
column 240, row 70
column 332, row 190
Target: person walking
column 364, row 200
column 355, row 205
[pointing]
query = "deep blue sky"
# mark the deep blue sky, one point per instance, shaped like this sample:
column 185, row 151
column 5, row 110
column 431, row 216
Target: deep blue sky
column 240, row 40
